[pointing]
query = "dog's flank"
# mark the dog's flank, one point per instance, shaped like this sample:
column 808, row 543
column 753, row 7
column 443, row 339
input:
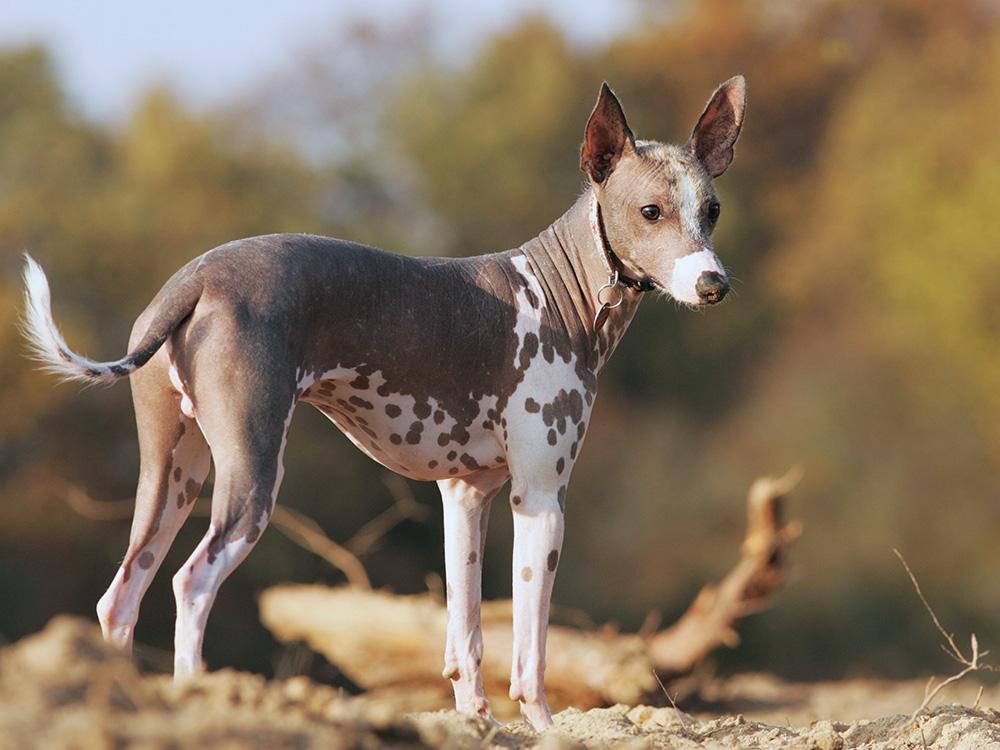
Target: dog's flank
column 48, row 347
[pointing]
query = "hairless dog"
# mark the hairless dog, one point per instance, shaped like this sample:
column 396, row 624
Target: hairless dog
column 468, row 372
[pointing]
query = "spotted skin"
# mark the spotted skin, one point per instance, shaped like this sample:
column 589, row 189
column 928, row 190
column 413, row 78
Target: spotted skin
column 470, row 372
column 466, row 504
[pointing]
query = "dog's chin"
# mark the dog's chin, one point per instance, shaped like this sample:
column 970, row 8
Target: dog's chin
column 691, row 302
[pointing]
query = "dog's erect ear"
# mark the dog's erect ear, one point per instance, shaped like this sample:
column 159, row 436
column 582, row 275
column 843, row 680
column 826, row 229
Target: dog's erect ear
column 719, row 126
column 607, row 137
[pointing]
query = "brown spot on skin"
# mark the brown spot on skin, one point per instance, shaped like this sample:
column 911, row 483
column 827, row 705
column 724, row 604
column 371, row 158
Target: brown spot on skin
column 528, row 350
column 469, row 462
column 452, row 455
column 346, row 406
column 395, row 438
column 422, row 409
column 383, row 390
column 549, row 352
column 487, row 425
column 572, row 451
column 552, row 437
column 498, row 459
column 526, row 574
column 453, row 470
column 145, row 560
column 392, row 410
column 532, row 297
column 566, row 406
column 177, row 474
column 459, row 434
column 562, row 499
column 553, row 559
column 580, row 430
column 443, row 439
column 431, row 464
column 358, row 401
column 560, row 465
column 181, row 499
column 438, row 416
column 515, row 499
column 191, row 490
column 532, row 406
column 413, row 436
column 472, row 558
column 360, row 383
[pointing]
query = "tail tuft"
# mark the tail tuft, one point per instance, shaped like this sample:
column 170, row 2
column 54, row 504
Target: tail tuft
column 47, row 345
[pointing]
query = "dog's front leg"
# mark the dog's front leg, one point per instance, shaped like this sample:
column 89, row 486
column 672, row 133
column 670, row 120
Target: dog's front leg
column 538, row 535
column 466, row 511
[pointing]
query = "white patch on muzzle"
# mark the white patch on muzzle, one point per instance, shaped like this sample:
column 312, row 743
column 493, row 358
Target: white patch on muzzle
column 686, row 273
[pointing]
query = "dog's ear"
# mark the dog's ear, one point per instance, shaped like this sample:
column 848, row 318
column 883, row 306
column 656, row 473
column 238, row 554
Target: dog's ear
column 606, row 139
column 719, row 126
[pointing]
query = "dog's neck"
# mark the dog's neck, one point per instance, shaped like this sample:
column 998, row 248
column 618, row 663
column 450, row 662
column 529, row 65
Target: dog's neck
column 572, row 269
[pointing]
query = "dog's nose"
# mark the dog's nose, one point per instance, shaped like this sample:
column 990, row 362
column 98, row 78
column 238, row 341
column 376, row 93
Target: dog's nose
column 711, row 287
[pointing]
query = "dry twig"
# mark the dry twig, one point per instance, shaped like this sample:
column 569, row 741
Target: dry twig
column 296, row 526
column 971, row 663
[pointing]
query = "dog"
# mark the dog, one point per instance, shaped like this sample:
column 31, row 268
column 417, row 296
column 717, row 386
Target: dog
column 468, row 372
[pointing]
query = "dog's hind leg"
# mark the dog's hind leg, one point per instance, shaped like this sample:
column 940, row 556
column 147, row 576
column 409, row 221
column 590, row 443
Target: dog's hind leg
column 466, row 512
column 175, row 461
column 246, row 428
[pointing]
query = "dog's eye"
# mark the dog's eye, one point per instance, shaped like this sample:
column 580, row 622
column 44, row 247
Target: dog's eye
column 713, row 211
column 651, row 212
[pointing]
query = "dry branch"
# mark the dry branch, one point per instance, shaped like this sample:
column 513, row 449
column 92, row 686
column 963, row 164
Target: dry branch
column 711, row 619
column 296, row 526
column 381, row 640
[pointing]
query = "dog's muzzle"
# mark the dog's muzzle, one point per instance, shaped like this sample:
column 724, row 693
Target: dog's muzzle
column 711, row 287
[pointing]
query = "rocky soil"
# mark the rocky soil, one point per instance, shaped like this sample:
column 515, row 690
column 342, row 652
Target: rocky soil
column 64, row 688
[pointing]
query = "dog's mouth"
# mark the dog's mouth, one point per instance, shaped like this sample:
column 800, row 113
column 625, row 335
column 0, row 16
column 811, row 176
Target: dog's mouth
column 710, row 288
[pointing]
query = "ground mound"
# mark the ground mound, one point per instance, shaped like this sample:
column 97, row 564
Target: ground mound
column 64, row 688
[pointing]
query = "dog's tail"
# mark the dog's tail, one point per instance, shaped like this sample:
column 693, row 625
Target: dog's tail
column 50, row 349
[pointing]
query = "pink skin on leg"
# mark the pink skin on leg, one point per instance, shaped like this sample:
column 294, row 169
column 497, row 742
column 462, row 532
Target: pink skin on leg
column 466, row 504
column 195, row 589
column 157, row 521
column 538, row 536
column 238, row 488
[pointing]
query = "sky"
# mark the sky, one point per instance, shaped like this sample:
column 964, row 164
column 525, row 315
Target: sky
column 108, row 51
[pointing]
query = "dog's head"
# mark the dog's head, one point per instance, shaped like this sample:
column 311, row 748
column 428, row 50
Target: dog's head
column 657, row 201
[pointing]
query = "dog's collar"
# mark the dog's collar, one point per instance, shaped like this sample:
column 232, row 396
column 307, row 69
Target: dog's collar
column 617, row 277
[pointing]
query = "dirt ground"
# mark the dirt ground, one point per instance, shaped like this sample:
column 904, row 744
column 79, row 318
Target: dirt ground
column 64, row 688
